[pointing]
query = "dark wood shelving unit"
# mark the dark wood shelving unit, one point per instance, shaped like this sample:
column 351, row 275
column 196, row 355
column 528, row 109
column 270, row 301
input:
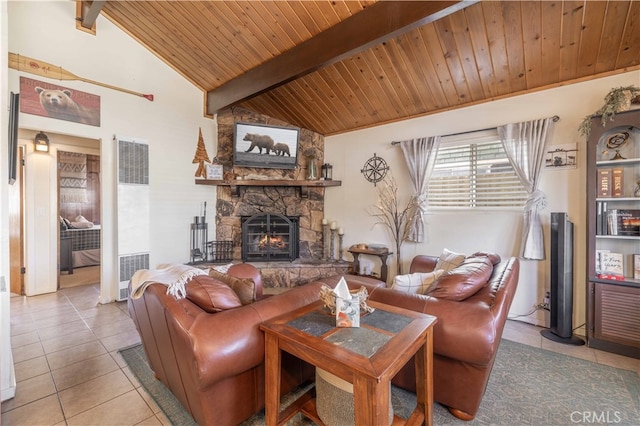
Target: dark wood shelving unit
column 613, row 306
column 304, row 185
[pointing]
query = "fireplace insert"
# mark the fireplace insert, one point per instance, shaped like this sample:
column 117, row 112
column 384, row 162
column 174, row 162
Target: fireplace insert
column 270, row 237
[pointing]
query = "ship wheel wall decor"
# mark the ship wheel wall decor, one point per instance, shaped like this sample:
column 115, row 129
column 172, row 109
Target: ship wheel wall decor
column 375, row 169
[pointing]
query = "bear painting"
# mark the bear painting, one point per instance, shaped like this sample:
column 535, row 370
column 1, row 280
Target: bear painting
column 265, row 146
column 57, row 102
column 260, row 141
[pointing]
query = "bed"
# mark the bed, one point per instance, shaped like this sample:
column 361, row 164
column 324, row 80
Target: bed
column 85, row 246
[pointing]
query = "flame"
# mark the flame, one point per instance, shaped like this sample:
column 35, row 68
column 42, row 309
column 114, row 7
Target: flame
column 271, row 242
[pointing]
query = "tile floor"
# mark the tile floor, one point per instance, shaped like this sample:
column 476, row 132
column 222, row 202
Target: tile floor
column 69, row 372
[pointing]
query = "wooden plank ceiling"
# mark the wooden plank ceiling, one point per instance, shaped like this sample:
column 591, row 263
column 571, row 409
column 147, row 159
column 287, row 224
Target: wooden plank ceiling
column 484, row 51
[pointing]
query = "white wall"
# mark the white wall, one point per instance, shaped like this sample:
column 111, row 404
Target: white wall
column 46, row 31
column 484, row 230
column 7, row 377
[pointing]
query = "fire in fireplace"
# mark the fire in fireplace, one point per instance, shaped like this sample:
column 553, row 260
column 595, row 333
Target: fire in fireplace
column 270, row 237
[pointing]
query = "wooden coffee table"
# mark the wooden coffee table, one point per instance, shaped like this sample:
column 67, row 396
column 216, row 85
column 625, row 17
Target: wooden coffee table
column 367, row 357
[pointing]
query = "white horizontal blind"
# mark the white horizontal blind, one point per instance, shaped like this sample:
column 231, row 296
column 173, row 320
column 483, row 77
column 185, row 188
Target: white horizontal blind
column 474, row 173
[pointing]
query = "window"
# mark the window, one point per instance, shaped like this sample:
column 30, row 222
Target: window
column 472, row 171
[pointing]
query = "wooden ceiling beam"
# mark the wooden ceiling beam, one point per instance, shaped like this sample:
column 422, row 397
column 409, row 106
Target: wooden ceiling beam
column 377, row 23
column 90, row 12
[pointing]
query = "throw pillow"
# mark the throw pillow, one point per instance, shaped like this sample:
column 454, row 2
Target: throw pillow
column 416, row 283
column 465, row 280
column 449, row 260
column 211, row 294
column 245, row 288
column 223, row 268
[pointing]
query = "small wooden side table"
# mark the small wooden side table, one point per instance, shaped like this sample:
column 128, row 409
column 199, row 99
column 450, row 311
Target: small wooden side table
column 382, row 253
column 367, row 357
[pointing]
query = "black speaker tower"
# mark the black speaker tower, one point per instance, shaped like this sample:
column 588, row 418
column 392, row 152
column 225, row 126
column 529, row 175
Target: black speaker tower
column 561, row 297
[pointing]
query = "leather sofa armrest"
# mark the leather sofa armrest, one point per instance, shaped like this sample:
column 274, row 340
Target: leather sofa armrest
column 224, row 344
column 464, row 331
column 423, row 263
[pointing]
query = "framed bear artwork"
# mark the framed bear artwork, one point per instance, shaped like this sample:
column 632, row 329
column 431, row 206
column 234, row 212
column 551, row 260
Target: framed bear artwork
column 62, row 103
column 265, row 146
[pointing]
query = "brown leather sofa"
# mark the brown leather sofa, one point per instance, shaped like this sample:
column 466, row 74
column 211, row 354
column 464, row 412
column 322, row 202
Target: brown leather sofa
column 214, row 362
column 466, row 336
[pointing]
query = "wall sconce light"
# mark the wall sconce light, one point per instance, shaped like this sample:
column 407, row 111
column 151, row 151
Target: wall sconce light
column 327, row 171
column 41, row 142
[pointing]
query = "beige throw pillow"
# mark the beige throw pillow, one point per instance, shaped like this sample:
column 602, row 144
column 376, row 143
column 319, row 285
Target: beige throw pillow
column 416, row 283
column 449, row 260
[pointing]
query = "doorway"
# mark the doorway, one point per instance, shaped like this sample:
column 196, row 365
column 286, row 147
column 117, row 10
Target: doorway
column 79, row 206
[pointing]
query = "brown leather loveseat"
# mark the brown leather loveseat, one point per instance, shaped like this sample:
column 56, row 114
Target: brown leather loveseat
column 468, row 331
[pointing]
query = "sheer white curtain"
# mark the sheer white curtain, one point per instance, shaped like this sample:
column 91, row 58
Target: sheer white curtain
column 525, row 145
column 420, row 155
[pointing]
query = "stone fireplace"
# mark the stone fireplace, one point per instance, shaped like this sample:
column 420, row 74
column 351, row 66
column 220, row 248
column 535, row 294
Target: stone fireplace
column 304, row 208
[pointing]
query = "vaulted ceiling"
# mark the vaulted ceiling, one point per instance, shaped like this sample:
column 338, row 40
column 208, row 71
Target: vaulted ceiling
column 335, row 66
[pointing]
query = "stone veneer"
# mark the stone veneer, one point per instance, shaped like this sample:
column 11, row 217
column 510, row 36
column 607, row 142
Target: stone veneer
column 282, row 200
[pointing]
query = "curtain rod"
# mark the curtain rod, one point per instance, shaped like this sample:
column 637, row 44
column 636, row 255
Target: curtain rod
column 555, row 118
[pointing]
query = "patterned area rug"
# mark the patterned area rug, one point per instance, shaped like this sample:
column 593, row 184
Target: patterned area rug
column 528, row 386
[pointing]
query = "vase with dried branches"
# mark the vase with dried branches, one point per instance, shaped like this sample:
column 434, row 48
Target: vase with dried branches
column 392, row 215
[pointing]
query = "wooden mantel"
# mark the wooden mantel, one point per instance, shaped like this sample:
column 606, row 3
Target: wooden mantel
column 304, row 185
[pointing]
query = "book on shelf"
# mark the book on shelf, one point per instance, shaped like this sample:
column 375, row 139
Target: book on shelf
column 636, row 266
column 617, row 182
column 623, row 222
column 599, row 260
column 611, row 264
column 603, row 219
column 604, row 182
column 611, row 277
column 612, row 222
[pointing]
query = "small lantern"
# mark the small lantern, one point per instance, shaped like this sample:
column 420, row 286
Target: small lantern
column 327, row 171
column 41, row 142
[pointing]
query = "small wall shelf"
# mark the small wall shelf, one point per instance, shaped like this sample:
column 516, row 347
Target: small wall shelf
column 304, row 185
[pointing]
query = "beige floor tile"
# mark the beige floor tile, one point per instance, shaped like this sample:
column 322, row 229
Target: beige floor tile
column 47, row 333
column 150, row 421
column 127, row 409
column 30, row 390
column 515, row 335
column 149, row 400
column 100, row 310
column 54, row 311
column 83, row 371
column 45, row 411
column 23, row 326
column 581, row 351
column 87, row 395
column 132, row 378
column 118, row 327
column 31, row 368
column 25, row 339
column 26, row 352
column 75, row 354
column 617, row 361
column 57, row 320
column 68, row 341
column 119, row 341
